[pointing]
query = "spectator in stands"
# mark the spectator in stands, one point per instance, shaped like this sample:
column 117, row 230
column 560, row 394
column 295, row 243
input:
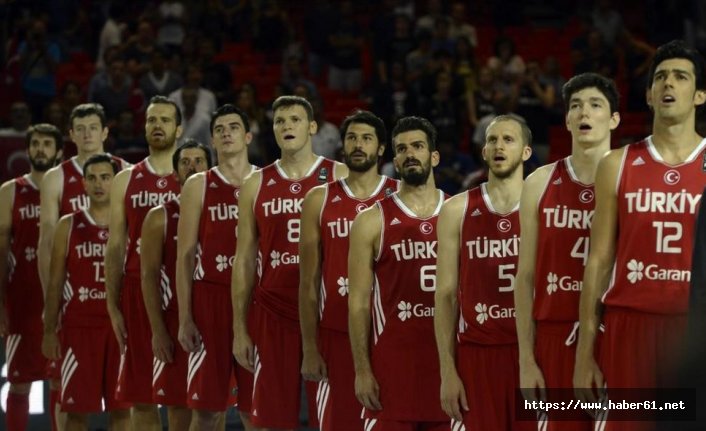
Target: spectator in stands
column 172, row 16
column 595, row 55
column 56, row 115
column 126, row 137
column 195, row 124
column 396, row 48
column 100, row 77
column 20, row 120
column 394, row 99
column 420, row 58
column 345, row 72
column 111, row 33
column 459, row 26
column 271, row 25
column 327, row 139
column 444, row 108
column 506, row 64
column 607, row 21
column 159, row 80
column 293, row 75
column 427, row 22
column 441, row 38
column 117, row 94
column 484, row 96
column 206, row 100
column 318, row 25
column 216, row 75
column 456, row 171
column 637, row 55
column 139, row 49
column 246, row 100
column 551, row 76
column 532, row 98
column 38, row 62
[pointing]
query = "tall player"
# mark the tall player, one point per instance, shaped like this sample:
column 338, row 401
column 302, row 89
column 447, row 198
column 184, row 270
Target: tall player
column 134, row 192
column 327, row 213
column 269, row 213
column 479, row 235
column 648, row 195
column 88, row 347
column 63, row 193
column 556, row 210
column 21, row 297
column 393, row 251
column 205, row 253
column 158, row 267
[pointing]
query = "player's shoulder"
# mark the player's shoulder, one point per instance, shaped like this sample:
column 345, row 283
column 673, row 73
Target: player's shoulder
column 340, row 170
column 253, row 180
column 541, row 175
column 8, row 186
column 456, row 202
column 317, row 193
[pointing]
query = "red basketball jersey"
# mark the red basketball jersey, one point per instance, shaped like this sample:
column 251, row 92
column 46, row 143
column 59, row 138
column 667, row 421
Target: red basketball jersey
column 25, row 299
column 84, row 288
column 215, row 251
column 73, row 195
column 657, row 208
column 337, row 214
column 490, row 243
column 145, row 190
column 564, row 214
column 403, row 352
column 167, row 278
column 278, row 208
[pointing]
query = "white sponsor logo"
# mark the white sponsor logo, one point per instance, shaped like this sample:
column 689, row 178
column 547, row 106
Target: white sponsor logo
column 336, row 199
column 342, row 286
column 476, row 213
column 277, row 258
column 565, row 283
column 495, row 311
column 671, row 177
column 85, row 294
column 638, row 161
column 638, row 270
column 586, row 196
column 426, row 228
column 395, row 221
column 504, row 225
column 162, row 183
column 407, row 310
column 223, row 262
column 295, row 188
column 271, row 182
column 30, row 253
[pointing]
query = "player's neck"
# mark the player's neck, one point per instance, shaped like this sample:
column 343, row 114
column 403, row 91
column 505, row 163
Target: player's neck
column 422, row 200
column 675, row 142
column 100, row 213
column 235, row 168
column 584, row 160
column 36, row 177
column 161, row 161
column 297, row 164
column 505, row 193
column 82, row 156
column 363, row 184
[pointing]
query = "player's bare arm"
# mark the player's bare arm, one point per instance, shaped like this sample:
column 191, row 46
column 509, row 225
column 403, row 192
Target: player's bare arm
column 51, row 347
column 7, row 195
column 187, row 240
column 531, row 376
column 597, row 273
column 313, row 365
column 453, row 394
column 151, row 248
column 364, row 244
column 49, row 196
column 244, row 268
column 115, row 255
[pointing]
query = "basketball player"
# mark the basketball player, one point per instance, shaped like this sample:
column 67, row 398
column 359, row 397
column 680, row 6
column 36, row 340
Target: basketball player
column 648, row 195
column 479, row 235
column 205, row 253
column 158, row 266
column 327, row 213
column 134, row 192
column 63, row 193
column 88, row 347
column 393, row 251
column 555, row 213
column 21, row 296
column 268, row 225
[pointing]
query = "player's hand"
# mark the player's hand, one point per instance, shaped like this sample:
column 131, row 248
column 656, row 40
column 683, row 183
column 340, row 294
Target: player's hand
column 244, row 351
column 367, row 391
column 313, row 366
column 51, row 348
column 3, row 322
column 532, row 383
column 162, row 346
column 189, row 336
column 588, row 380
column 453, row 396
column 116, row 319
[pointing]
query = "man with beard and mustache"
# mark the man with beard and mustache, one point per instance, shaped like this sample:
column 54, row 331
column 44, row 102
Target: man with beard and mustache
column 327, row 213
column 134, row 192
column 479, row 371
column 393, row 251
column 158, row 266
column 21, row 295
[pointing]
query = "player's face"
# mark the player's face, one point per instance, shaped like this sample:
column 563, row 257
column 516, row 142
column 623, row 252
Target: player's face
column 504, row 149
column 361, row 148
column 673, row 94
column 229, row 135
column 589, row 118
column 88, row 134
column 42, row 152
column 97, row 181
column 191, row 161
column 413, row 159
column 161, row 130
column 292, row 128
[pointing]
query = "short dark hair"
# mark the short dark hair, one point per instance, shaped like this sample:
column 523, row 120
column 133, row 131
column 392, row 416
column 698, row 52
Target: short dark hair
column 157, row 100
column 408, row 124
column 84, row 110
column 46, row 129
column 289, row 100
column 228, row 109
column 678, row 49
column 526, row 132
column 365, row 117
column 591, row 80
column 101, row 158
column 191, row 143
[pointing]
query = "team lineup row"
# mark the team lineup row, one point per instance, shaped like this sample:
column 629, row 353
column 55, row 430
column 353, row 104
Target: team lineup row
column 423, row 310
